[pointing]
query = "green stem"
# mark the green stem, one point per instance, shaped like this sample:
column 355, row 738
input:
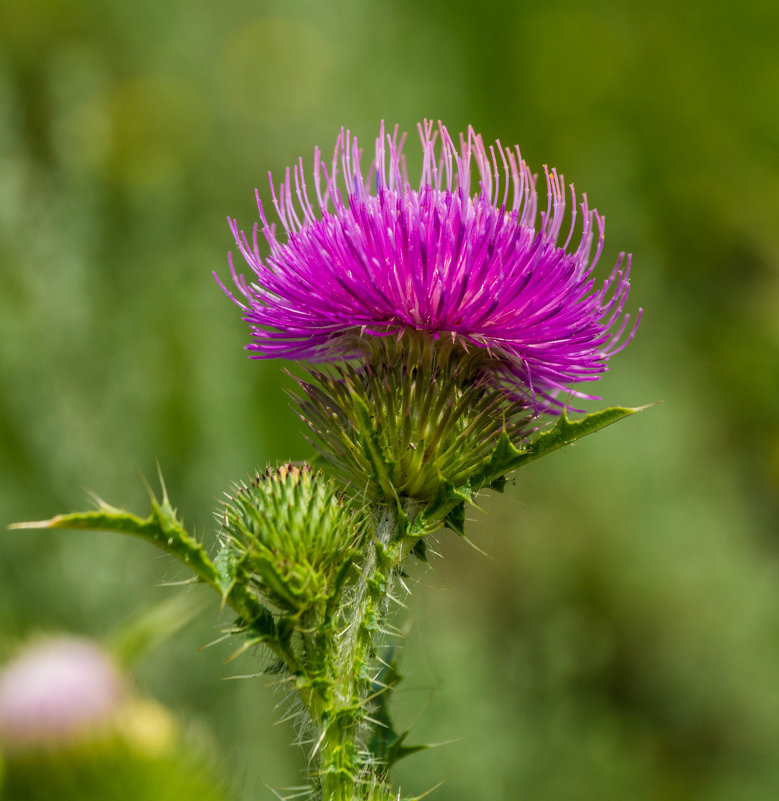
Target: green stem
column 342, row 718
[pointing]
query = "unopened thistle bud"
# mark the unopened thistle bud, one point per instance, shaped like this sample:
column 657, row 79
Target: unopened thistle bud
column 295, row 535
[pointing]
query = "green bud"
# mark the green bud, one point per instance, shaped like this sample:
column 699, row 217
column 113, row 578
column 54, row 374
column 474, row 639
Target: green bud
column 293, row 534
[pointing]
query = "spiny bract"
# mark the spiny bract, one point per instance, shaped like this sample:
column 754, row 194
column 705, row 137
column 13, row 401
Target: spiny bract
column 293, row 533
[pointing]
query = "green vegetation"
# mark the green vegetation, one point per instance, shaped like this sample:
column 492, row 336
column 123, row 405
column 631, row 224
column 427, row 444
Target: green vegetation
column 622, row 640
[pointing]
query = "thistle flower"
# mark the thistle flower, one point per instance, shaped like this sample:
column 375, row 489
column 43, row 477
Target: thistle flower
column 380, row 257
column 55, row 692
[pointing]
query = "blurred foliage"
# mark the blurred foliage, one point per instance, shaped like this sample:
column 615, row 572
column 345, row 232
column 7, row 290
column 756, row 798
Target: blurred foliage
column 141, row 763
column 624, row 641
column 73, row 729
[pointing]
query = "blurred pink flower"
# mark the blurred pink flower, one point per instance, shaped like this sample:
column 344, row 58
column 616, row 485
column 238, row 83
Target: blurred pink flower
column 56, row 691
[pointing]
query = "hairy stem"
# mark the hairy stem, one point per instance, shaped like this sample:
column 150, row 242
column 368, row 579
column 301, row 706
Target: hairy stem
column 344, row 768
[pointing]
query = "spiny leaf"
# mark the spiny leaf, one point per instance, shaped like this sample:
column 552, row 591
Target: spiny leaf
column 420, row 550
column 455, row 520
column 507, row 457
column 395, row 750
column 226, row 568
column 448, row 505
column 447, row 498
column 163, row 529
column 386, row 744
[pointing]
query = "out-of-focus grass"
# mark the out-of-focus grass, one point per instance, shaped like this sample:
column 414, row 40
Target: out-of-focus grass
column 624, row 639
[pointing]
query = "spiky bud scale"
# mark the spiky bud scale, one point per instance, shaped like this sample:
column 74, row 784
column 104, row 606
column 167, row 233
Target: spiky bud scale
column 413, row 413
column 295, row 533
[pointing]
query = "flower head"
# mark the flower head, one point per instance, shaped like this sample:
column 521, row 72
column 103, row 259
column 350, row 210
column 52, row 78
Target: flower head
column 56, row 691
column 295, row 534
column 378, row 256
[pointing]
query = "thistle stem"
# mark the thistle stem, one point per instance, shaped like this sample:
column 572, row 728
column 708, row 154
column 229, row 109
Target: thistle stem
column 343, row 757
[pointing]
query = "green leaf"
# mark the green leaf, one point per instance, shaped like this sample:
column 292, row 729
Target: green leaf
column 147, row 629
column 226, row 568
column 420, row 550
column 448, row 505
column 386, row 744
column 395, row 750
column 163, row 529
column 507, row 457
column 455, row 520
column 499, row 484
column 447, row 499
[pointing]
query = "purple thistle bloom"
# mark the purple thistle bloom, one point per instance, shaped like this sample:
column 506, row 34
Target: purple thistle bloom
column 379, row 257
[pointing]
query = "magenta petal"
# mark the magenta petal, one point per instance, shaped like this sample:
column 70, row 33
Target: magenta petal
column 381, row 255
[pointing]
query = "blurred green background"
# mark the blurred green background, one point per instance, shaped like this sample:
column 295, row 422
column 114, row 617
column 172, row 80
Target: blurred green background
column 623, row 639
